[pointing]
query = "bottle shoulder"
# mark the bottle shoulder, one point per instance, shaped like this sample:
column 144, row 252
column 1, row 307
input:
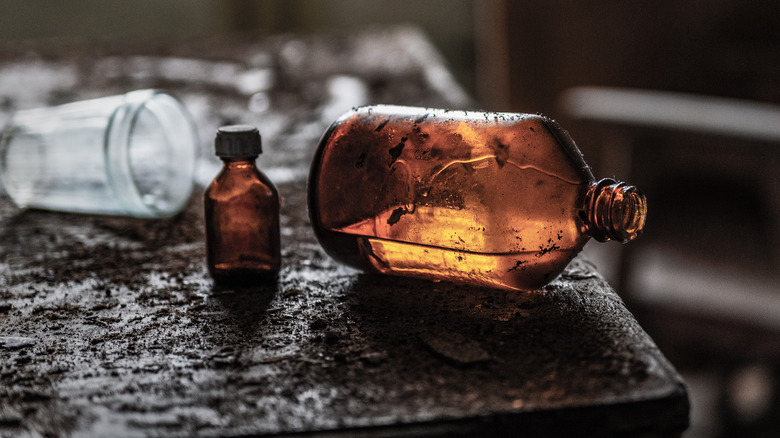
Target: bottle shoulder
column 232, row 182
column 377, row 137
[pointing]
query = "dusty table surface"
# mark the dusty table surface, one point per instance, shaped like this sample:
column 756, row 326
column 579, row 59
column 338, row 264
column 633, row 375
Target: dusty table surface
column 112, row 326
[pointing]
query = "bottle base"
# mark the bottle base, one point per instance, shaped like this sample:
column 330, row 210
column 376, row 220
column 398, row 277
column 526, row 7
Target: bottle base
column 244, row 277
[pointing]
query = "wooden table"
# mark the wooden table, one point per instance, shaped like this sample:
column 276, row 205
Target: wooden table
column 111, row 326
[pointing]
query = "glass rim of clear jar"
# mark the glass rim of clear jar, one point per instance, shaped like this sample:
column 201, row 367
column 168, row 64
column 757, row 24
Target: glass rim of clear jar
column 179, row 132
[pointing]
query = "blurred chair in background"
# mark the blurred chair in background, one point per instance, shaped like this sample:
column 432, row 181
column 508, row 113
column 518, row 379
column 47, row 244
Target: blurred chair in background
column 704, row 279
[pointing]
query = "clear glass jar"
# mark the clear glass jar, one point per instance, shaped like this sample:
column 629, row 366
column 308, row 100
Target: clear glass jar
column 132, row 154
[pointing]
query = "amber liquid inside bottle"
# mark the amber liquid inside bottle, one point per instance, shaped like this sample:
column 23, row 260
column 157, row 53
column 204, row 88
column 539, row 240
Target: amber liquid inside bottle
column 489, row 199
column 242, row 223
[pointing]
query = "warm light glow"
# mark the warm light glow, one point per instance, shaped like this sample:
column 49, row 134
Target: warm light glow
column 483, row 198
column 520, row 271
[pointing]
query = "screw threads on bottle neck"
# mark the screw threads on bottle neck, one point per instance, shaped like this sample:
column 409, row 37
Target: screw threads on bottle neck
column 614, row 211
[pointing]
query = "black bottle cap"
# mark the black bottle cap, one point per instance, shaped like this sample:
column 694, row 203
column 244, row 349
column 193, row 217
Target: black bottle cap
column 235, row 141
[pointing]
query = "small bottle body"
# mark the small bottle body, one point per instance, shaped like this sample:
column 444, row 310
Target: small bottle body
column 489, row 199
column 242, row 223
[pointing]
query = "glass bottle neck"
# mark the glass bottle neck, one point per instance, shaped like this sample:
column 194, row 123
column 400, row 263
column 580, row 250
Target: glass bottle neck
column 613, row 211
column 238, row 162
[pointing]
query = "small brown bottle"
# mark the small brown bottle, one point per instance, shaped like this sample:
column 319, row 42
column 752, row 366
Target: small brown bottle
column 491, row 199
column 242, row 211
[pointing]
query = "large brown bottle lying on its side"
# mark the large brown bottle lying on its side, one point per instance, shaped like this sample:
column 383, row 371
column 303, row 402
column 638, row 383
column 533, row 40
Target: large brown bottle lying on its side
column 491, row 199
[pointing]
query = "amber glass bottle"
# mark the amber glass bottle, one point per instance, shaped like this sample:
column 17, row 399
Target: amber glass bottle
column 491, row 199
column 241, row 211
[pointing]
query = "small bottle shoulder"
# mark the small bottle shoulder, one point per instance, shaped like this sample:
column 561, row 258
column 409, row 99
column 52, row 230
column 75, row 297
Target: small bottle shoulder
column 232, row 180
